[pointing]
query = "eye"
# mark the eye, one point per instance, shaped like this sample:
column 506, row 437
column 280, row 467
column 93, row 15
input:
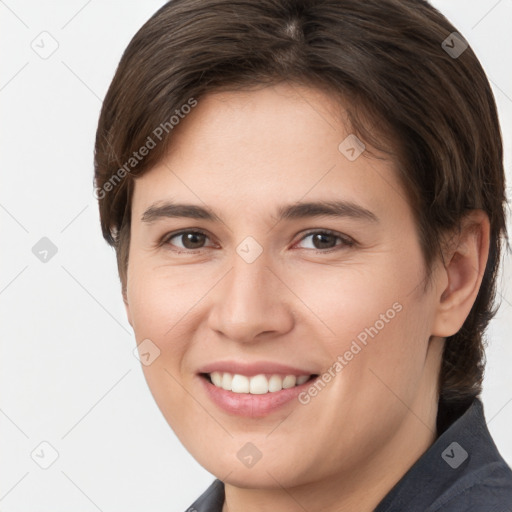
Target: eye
column 325, row 240
column 190, row 240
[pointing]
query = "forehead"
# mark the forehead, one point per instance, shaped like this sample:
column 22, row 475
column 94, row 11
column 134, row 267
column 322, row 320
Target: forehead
column 250, row 119
column 276, row 144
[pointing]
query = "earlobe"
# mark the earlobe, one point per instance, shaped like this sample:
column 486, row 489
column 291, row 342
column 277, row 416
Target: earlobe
column 463, row 271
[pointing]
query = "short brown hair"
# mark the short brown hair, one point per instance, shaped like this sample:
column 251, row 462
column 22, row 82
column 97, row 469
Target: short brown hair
column 384, row 56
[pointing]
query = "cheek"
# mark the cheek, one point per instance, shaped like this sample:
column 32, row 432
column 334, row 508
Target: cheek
column 162, row 304
column 376, row 317
column 162, row 307
column 354, row 304
column 161, row 299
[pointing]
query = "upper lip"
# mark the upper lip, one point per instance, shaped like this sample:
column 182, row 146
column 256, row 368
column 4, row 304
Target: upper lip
column 254, row 368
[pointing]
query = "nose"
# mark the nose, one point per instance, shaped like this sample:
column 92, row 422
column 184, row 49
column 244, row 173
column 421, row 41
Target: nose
column 251, row 303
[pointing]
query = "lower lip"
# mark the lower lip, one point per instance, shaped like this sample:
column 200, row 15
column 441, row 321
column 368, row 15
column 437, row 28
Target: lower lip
column 249, row 405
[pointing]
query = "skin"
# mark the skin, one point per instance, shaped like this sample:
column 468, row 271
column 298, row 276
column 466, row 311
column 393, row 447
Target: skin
column 242, row 154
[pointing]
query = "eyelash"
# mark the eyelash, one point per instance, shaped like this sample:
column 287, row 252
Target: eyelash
column 346, row 241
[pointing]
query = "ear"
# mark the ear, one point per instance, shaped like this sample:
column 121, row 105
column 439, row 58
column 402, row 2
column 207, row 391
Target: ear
column 464, row 266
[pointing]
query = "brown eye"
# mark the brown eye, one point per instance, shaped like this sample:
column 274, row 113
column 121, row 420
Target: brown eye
column 189, row 240
column 325, row 240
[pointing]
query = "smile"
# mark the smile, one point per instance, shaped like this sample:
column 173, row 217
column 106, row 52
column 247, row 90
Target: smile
column 256, row 396
column 257, row 384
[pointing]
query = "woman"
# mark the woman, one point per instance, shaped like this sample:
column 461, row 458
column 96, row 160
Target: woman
column 306, row 199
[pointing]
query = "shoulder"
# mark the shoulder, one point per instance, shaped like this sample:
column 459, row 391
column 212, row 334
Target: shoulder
column 211, row 500
column 462, row 471
column 486, row 489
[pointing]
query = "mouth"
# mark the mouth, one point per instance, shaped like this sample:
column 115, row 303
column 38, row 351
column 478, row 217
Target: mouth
column 260, row 384
column 254, row 396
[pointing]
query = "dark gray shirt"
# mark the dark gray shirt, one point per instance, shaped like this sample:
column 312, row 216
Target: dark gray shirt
column 461, row 472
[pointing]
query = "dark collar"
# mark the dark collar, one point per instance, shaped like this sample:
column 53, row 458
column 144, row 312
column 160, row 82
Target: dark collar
column 462, row 470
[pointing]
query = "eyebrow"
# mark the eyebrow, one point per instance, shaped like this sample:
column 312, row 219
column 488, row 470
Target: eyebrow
column 348, row 209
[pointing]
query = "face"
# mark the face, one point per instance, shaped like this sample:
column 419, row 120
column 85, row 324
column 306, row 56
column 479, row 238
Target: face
column 251, row 289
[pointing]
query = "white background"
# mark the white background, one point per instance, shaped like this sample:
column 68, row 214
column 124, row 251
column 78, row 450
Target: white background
column 68, row 375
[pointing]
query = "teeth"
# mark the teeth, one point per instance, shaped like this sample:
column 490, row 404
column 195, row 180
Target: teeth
column 257, row 385
column 275, row 383
column 289, row 381
column 302, row 379
column 227, row 379
column 216, row 378
column 240, row 384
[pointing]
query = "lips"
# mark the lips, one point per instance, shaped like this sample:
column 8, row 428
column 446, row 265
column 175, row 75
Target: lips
column 255, row 368
column 253, row 389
